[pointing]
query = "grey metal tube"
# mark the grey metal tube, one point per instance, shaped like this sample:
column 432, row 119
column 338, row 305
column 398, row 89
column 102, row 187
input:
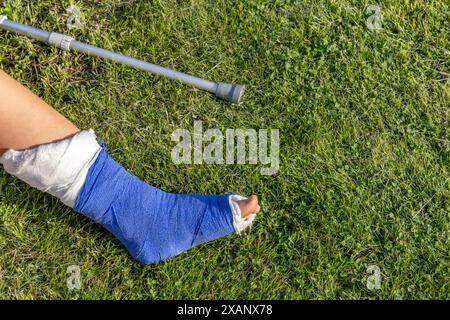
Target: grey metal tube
column 146, row 66
column 28, row 31
column 225, row 91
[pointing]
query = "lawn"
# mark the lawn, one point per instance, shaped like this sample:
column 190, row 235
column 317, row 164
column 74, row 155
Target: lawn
column 363, row 116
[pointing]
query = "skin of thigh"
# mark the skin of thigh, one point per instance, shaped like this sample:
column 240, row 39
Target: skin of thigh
column 26, row 120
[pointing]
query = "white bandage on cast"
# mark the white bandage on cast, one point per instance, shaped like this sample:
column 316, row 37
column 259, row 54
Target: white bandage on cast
column 239, row 223
column 58, row 168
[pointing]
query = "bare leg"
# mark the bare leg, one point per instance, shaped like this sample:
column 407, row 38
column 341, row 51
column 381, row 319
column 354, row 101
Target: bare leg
column 26, row 120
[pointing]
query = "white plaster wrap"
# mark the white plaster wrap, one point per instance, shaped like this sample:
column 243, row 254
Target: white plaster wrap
column 58, row 168
column 239, row 223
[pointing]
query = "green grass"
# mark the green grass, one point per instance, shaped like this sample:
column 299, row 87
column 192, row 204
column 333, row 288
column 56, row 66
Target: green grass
column 364, row 164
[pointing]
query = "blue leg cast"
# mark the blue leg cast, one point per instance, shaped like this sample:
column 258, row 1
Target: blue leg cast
column 152, row 224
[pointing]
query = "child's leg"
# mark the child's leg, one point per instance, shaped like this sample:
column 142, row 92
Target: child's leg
column 47, row 151
column 26, row 120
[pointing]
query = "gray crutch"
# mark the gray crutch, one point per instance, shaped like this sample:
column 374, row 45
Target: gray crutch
column 225, row 91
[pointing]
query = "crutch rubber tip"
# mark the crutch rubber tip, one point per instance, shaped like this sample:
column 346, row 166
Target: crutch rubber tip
column 230, row 92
